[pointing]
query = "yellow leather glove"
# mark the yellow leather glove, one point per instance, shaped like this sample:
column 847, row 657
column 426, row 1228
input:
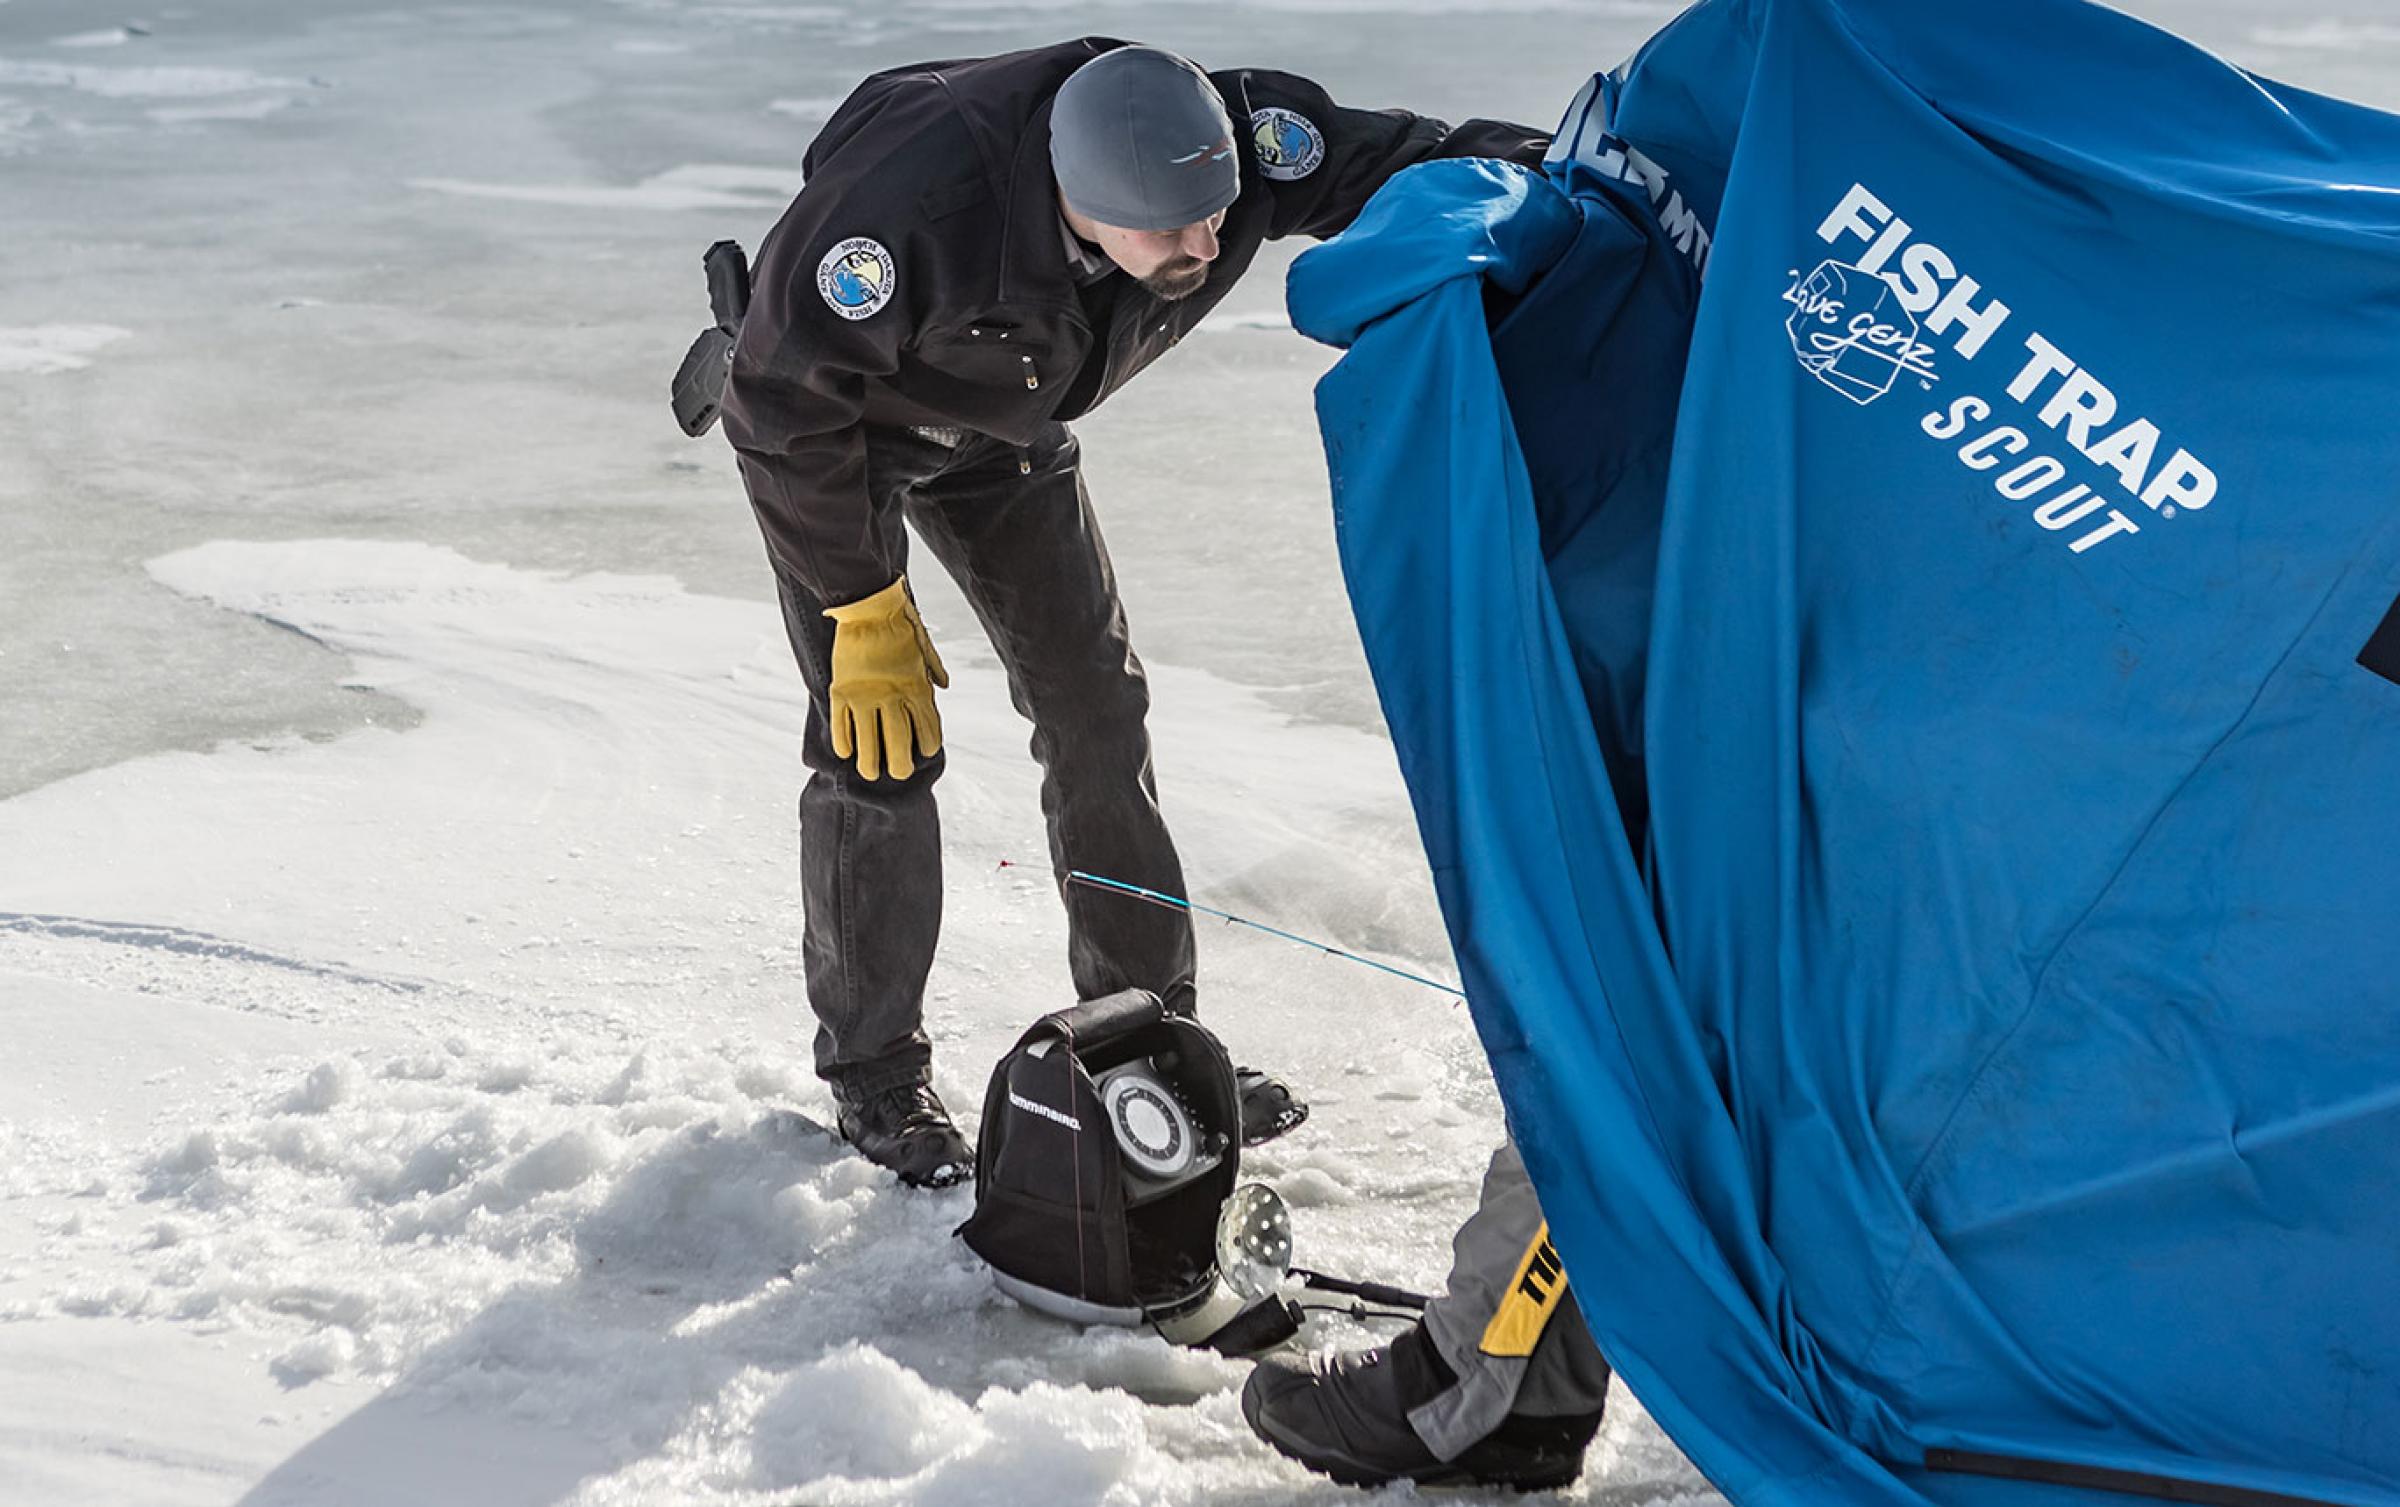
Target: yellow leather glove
column 884, row 672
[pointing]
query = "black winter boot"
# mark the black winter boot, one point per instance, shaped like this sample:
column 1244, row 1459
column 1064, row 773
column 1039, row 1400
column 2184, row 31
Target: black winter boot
column 1269, row 1107
column 905, row 1128
column 1346, row 1416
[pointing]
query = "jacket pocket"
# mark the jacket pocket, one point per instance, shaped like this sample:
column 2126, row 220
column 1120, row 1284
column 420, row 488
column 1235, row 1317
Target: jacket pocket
column 994, row 352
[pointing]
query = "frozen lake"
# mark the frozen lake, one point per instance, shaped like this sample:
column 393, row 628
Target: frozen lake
column 398, row 952
column 348, row 269
column 424, row 274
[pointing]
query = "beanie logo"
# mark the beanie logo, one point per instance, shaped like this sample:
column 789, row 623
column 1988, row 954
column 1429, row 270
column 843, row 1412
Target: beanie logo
column 1290, row 147
column 857, row 277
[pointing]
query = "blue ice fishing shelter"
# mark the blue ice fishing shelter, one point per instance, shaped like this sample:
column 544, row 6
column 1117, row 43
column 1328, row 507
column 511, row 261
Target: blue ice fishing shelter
column 1881, row 567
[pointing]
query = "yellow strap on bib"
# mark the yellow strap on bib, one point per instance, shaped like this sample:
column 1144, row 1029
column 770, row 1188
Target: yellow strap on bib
column 1540, row 1282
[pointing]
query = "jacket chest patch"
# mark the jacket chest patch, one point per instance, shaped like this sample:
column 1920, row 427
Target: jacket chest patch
column 857, row 277
column 1289, row 145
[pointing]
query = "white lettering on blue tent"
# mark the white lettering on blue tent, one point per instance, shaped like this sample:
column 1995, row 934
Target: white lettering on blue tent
column 1854, row 327
column 1582, row 138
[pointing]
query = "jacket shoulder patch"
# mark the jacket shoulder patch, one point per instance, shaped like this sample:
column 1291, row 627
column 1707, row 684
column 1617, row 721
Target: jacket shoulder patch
column 1289, row 145
column 857, row 277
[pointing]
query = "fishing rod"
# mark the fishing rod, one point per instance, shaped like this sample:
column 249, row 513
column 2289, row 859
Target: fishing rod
column 1177, row 902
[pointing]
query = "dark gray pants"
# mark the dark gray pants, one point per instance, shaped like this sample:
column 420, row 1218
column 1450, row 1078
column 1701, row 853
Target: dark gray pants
column 1016, row 532
column 1505, row 1322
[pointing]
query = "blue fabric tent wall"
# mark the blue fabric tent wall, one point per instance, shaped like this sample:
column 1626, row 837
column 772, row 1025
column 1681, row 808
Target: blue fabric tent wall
column 1868, row 563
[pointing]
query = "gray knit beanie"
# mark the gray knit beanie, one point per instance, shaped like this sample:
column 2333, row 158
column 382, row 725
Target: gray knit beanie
column 1139, row 139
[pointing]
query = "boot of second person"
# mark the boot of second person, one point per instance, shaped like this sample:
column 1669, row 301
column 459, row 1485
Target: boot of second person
column 1346, row 1416
column 1269, row 1107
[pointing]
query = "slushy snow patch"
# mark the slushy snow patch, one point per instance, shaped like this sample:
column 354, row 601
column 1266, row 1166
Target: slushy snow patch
column 691, row 187
column 240, row 109
column 140, row 83
column 44, row 349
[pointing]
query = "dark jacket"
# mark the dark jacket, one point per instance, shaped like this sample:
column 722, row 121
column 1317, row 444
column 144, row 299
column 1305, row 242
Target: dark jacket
column 945, row 167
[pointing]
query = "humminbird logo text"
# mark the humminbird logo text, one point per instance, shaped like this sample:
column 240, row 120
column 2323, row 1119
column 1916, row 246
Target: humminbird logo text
column 1044, row 1110
column 1865, row 325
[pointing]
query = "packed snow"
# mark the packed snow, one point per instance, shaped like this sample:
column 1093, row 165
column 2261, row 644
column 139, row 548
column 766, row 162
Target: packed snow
column 453, row 1073
column 407, row 1095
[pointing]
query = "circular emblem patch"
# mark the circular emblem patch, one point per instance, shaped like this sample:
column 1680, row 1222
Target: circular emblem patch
column 1289, row 146
column 857, row 277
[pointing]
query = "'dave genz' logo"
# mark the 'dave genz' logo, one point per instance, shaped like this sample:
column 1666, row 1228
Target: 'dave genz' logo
column 1851, row 333
column 2085, row 462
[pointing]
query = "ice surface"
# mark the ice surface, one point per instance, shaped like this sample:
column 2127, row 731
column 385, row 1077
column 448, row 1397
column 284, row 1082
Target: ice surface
column 818, row 109
column 113, row 82
column 49, row 348
column 240, row 109
column 398, row 949
column 688, row 187
column 112, row 36
column 2330, row 35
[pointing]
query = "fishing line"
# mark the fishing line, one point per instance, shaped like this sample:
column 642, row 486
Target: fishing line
column 1177, row 902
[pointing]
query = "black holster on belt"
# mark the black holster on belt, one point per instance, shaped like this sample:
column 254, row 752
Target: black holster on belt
column 700, row 382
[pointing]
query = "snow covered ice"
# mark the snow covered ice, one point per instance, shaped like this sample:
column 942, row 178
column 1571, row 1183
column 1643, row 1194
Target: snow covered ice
column 398, row 931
